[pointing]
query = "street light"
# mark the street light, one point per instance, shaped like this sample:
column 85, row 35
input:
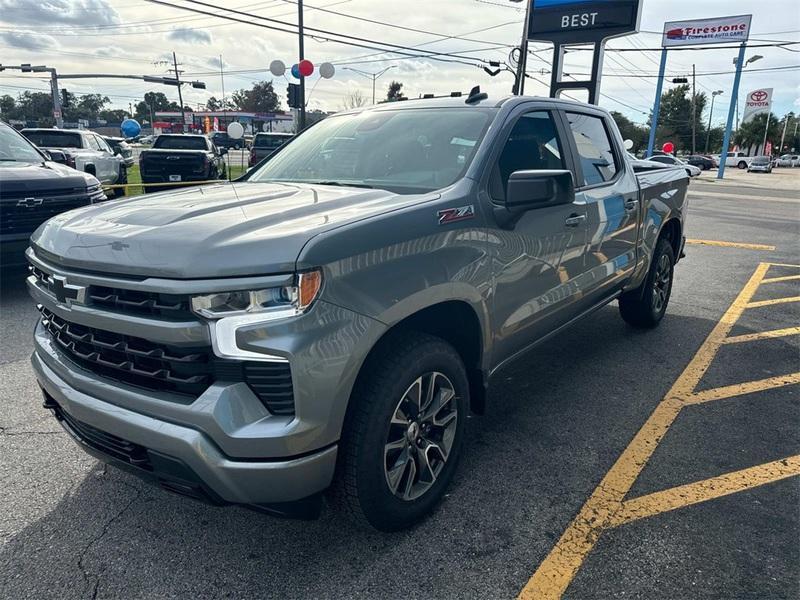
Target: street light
column 373, row 76
column 711, row 114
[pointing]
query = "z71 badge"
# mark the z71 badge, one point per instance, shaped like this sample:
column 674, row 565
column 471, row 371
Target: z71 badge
column 451, row 215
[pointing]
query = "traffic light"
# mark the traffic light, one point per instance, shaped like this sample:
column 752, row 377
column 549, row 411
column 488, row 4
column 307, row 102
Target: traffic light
column 293, row 95
column 680, row 80
column 65, row 98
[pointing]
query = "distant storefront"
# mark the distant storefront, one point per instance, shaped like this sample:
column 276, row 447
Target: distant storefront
column 206, row 121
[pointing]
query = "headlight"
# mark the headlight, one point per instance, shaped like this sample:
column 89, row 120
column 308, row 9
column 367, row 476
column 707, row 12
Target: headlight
column 229, row 311
column 294, row 298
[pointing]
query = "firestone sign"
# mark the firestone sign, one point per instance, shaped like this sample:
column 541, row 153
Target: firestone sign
column 707, row 31
column 757, row 102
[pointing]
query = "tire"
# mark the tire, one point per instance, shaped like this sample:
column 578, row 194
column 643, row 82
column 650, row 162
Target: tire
column 742, row 165
column 645, row 306
column 375, row 483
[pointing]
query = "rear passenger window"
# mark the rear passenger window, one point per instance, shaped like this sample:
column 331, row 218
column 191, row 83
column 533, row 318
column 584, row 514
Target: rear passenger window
column 594, row 148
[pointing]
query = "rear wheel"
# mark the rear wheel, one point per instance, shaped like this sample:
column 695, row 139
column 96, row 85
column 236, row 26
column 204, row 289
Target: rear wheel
column 645, row 306
column 742, row 165
column 403, row 434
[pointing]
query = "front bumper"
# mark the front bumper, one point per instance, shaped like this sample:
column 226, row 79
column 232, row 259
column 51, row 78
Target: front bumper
column 181, row 456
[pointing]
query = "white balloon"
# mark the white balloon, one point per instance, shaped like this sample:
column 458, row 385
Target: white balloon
column 277, row 68
column 326, row 70
column 235, row 130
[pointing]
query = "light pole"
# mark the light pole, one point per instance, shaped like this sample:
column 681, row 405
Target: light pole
column 711, row 114
column 519, row 84
column 373, row 76
column 752, row 59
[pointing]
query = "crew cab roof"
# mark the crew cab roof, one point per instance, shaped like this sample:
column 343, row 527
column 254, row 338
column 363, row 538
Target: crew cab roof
column 461, row 102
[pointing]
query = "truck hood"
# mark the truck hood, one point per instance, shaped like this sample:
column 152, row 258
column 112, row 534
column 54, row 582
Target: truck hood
column 39, row 176
column 221, row 230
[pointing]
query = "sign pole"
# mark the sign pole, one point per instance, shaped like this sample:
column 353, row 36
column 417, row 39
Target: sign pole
column 519, row 88
column 766, row 130
column 723, row 157
column 657, row 104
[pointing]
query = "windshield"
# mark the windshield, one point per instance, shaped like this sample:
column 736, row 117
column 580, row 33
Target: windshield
column 180, row 142
column 761, row 160
column 14, row 147
column 406, row 151
column 264, row 140
column 54, row 139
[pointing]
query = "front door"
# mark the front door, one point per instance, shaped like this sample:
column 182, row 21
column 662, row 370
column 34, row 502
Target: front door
column 537, row 261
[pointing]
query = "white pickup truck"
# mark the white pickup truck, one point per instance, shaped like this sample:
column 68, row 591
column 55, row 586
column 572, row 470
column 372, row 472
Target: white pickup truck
column 735, row 159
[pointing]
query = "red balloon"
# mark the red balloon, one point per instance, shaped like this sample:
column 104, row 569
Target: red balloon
column 668, row 147
column 306, row 68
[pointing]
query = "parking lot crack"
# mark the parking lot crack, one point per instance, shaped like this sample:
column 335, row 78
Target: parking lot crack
column 87, row 577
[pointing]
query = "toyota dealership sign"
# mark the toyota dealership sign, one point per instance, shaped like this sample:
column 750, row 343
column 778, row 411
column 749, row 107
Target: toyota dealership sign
column 718, row 30
column 757, row 102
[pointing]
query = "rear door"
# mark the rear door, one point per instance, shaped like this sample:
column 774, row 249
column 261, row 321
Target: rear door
column 607, row 186
column 538, row 261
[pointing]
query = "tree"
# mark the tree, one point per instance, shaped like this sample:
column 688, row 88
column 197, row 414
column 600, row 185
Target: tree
column 8, row 107
column 394, row 91
column 260, row 98
column 638, row 134
column 353, row 99
column 155, row 101
column 675, row 118
column 113, row 116
column 751, row 134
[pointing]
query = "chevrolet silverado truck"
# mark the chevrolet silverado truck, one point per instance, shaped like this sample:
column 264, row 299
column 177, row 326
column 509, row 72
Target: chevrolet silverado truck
column 176, row 158
column 33, row 188
column 329, row 321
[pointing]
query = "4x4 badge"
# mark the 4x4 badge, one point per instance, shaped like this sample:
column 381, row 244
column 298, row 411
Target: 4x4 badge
column 452, row 215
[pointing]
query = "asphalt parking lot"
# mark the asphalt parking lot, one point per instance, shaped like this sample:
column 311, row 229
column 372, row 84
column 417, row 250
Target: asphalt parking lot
column 614, row 463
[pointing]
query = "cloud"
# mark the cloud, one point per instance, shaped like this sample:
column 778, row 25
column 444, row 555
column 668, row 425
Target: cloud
column 48, row 12
column 191, row 36
column 797, row 101
column 28, row 40
column 110, row 51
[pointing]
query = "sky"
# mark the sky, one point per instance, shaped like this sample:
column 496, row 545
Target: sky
column 138, row 37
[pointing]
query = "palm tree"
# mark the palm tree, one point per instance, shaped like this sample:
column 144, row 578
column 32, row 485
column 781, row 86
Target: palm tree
column 752, row 133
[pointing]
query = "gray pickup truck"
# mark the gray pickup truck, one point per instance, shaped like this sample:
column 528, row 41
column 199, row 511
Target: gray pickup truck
column 329, row 322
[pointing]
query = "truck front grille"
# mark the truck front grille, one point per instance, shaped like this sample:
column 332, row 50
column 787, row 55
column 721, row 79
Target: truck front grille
column 153, row 366
column 130, row 301
column 23, row 212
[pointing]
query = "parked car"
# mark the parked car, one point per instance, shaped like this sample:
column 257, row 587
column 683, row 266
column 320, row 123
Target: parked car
column 788, row 160
column 85, row 151
column 735, row 159
column 122, row 149
column 264, row 144
column 181, row 157
column 32, row 189
column 668, row 159
column 222, row 140
column 760, row 164
column 147, row 140
column 702, row 162
column 333, row 318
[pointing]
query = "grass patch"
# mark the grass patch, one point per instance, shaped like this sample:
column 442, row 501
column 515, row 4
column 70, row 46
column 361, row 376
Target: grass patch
column 135, row 179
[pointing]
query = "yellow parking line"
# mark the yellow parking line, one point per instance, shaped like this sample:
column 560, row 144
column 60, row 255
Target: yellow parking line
column 708, row 489
column 784, row 265
column 740, row 389
column 730, row 244
column 779, row 279
column 762, row 335
column 773, row 301
column 561, row 565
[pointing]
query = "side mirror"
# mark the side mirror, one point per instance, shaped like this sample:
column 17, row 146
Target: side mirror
column 223, row 151
column 56, row 156
column 530, row 190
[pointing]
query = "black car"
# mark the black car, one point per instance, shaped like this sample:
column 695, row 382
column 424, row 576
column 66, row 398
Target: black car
column 33, row 188
column 703, row 162
column 180, row 159
column 122, row 149
column 223, row 140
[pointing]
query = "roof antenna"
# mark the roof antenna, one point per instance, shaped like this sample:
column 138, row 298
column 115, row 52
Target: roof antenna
column 475, row 95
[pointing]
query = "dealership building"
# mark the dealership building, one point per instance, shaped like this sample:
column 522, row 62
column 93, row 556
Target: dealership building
column 205, row 121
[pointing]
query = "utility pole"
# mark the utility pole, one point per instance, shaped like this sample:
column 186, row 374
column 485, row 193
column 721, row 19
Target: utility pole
column 766, row 130
column 694, row 112
column 783, row 135
column 180, row 96
column 302, row 57
column 519, row 84
column 373, row 76
column 222, row 78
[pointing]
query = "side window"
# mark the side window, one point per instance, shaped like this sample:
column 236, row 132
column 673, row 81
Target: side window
column 104, row 145
column 90, row 142
column 594, row 148
column 532, row 145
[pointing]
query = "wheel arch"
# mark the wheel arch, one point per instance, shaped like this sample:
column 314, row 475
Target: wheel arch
column 672, row 231
column 91, row 169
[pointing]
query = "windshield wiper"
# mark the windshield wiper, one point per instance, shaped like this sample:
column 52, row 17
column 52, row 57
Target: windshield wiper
column 345, row 184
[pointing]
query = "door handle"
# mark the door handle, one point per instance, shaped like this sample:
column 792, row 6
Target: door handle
column 631, row 204
column 574, row 220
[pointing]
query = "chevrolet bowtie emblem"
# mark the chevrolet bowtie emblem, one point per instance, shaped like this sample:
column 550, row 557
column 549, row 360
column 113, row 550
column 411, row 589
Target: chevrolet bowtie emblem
column 64, row 292
column 30, row 202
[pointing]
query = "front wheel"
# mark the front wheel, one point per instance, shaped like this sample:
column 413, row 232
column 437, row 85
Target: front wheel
column 121, row 180
column 403, row 433
column 645, row 306
column 742, row 165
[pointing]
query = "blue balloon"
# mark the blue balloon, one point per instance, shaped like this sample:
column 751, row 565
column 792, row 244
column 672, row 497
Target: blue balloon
column 130, row 128
column 296, row 71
